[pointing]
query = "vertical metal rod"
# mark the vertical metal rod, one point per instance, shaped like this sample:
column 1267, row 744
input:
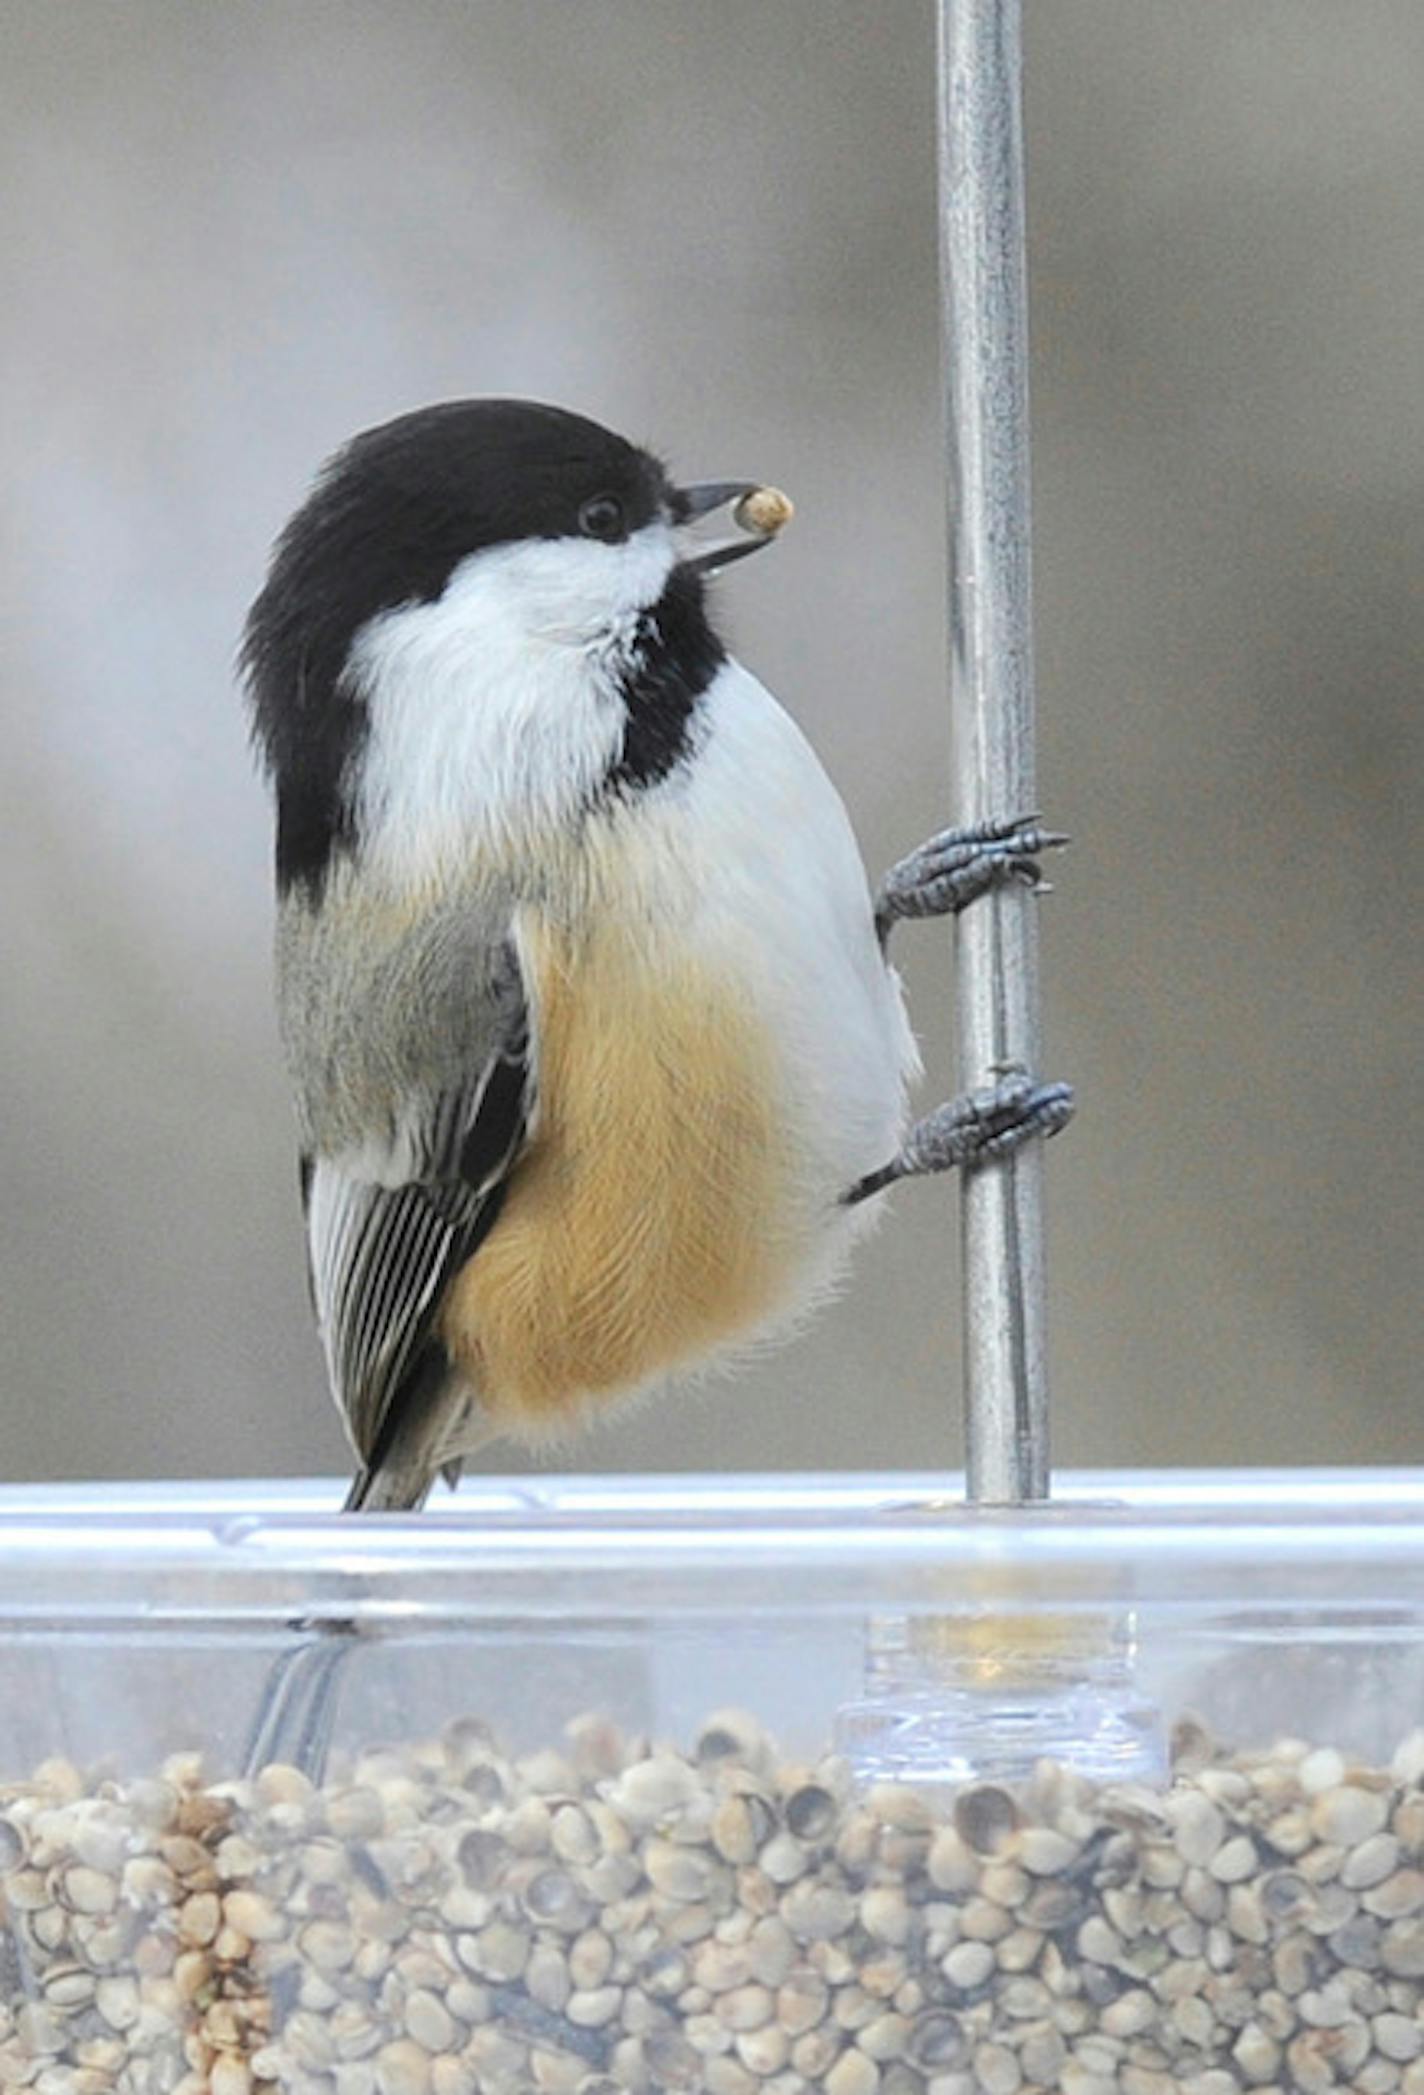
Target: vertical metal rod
column 985, row 322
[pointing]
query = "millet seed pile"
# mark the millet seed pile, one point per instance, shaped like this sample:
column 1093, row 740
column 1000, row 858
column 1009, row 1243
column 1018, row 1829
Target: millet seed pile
column 446, row 1920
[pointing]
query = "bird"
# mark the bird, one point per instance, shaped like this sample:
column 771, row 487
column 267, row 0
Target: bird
column 598, row 1057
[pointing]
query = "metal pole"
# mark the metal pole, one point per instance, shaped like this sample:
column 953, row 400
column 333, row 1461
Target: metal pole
column 985, row 321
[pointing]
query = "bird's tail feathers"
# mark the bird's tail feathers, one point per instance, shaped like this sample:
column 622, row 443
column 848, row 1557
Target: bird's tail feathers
column 384, row 1489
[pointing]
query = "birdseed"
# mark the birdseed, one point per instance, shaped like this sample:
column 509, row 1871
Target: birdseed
column 614, row 1918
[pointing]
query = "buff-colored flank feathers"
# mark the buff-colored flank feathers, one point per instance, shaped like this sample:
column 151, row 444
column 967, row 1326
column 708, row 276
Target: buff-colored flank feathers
column 643, row 1227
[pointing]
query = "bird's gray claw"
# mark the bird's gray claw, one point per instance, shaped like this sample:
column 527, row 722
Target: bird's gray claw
column 982, row 1125
column 974, row 1129
column 954, row 868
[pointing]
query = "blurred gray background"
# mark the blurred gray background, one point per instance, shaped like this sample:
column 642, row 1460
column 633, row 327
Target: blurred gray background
column 234, row 234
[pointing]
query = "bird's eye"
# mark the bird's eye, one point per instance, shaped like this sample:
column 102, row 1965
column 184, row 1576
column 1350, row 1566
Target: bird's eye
column 602, row 517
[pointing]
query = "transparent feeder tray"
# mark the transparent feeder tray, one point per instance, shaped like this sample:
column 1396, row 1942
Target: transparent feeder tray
column 795, row 1783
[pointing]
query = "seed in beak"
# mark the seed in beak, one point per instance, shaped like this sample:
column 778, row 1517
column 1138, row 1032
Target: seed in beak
column 766, row 510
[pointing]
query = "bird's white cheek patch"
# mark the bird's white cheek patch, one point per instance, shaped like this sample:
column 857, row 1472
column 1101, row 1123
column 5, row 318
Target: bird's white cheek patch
column 496, row 712
column 576, row 590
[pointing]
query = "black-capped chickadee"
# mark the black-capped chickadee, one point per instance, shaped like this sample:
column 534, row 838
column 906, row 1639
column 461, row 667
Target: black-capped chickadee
column 596, row 1052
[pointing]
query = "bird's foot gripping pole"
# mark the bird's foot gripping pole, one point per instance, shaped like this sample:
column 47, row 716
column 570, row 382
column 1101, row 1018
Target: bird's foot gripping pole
column 942, row 878
column 975, row 1128
column 954, row 868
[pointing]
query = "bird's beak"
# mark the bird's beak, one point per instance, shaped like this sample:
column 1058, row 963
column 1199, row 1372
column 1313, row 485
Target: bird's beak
column 699, row 500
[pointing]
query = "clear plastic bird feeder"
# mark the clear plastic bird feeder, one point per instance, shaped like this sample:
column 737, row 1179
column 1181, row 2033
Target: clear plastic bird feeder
column 641, row 1785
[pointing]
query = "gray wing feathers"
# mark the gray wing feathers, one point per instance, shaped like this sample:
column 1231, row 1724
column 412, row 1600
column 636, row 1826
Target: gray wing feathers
column 373, row 1029
column 414, row 1076
column 379, row 1257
